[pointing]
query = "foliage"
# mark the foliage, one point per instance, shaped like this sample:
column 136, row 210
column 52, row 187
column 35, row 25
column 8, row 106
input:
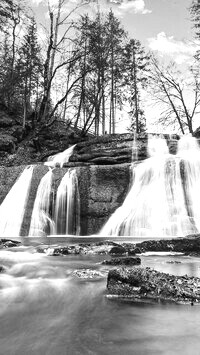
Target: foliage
column 86, row 74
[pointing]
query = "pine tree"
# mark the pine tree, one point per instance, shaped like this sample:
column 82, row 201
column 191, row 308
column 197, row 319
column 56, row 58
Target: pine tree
column 30, row 68
column 5, row 13
column 135, row 78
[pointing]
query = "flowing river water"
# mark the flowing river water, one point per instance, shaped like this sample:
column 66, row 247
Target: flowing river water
column 46, row 309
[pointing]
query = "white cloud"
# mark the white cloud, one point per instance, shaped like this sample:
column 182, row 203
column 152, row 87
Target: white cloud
column 36, row 2
column 135, row 6
column 182, row 51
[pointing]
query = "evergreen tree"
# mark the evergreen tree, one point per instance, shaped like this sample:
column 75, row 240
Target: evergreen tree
column 5, row 13
column 30, row 68
column 135, row 78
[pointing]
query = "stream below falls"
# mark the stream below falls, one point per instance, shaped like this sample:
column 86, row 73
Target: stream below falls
column 45, row 308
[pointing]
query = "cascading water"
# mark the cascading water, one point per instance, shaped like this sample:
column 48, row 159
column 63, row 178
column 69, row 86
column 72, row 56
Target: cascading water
column 13, row 207
column 41, row 223
column 164, row 199
column 52, row 216
column 61, row 158
column 60, row 215
column 67, row 207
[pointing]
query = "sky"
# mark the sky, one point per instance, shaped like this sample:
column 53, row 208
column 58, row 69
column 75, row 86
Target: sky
column 162, row 26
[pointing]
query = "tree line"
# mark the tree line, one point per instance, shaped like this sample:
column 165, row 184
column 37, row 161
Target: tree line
column 87, row 72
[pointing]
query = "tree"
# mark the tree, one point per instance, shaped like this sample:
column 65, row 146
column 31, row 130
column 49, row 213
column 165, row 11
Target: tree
column 178, row 95
column 5, row 13
column 195, row 14
column 51, row 69
column 135, row 79
column 30, row 69
column 102, row 40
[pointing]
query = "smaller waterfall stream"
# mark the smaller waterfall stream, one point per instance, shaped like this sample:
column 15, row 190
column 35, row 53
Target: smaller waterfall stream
column 41, row 223
column 13, row 207
column 56, row 215
column 67, row 207
column 61, row 158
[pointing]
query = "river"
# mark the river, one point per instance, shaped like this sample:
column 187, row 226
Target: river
column 46, row 309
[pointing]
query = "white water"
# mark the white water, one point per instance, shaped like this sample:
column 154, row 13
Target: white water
column 67, row 207
column 61, row 158
column 47, row 309
column 40, row 219
column 164, row 199
column 13, row 207
column 60, row 215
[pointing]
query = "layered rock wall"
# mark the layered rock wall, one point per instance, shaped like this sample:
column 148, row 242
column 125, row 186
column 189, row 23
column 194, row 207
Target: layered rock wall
column 104, row 175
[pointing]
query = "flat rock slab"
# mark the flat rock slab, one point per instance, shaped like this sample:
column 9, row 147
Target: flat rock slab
column 189, row 245
column 146, row 283
column 89, row 274
column 128, row 261
column 100, row 248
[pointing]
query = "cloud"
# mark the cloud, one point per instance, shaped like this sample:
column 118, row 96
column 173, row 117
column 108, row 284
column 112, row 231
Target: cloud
column 36, row 2
column 181, row 50
column 134, row 6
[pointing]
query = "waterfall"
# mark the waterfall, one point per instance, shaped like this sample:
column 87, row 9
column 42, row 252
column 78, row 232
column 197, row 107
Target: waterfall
column 61, row 158
column 67, row 207
column 41, row 222
column 13, row 207
column 61, row 216
column 164, row 197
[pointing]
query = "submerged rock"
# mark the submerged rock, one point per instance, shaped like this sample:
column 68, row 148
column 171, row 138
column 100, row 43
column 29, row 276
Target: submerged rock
column 128, row 261
column 145, row 283
column 118, row 250
column 88, row 274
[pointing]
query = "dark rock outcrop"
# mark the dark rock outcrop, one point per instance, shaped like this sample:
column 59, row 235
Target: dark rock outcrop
column 145, row 283
column 128, row 261
column 89, row 274
column 8, row 243
column 117, row 250
column 189, row 245
column 101, row 248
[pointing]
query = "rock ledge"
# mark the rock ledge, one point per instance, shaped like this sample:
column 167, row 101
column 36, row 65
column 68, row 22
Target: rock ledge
column 145, row 283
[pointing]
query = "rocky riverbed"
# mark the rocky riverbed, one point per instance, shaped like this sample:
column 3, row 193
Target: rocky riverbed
column 129, row 280
column 189, row 245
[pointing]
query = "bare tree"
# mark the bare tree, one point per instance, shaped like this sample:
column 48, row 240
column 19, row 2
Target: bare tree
column 178, row 96
column 52, row 66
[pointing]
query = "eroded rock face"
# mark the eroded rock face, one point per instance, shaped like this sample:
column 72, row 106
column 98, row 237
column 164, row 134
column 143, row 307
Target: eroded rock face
column 145, row 283
column 102, row 190
column 103, row 167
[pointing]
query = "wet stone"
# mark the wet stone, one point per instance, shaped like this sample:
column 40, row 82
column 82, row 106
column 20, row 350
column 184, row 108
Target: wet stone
column 118, row 250
column 140, row 283
column 88, row 274
column 128, row 261
column 9, row 243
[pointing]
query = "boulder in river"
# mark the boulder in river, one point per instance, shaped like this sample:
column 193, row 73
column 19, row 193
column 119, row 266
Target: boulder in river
column 140, row 283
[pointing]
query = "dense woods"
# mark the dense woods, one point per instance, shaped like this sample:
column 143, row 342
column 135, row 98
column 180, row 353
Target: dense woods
column 87, row 72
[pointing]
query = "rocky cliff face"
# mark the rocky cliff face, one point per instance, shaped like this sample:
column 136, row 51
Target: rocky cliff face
column 102, row 189
column 104, row 175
